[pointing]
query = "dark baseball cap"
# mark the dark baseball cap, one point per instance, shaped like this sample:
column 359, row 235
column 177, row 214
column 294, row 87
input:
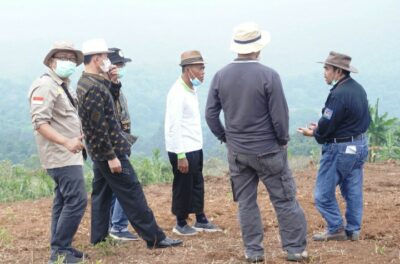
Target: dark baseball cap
column 117, row 56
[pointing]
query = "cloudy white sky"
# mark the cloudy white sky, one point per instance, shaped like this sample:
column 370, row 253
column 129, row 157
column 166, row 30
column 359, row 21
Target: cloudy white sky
column 155, row 32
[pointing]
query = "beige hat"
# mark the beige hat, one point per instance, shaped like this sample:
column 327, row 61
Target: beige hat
column 191, row 57
column 95, row 46
column 339, row 60
column 248, row 38
column 63, row 46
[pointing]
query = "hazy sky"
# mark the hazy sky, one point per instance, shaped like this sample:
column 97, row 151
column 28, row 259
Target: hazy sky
column 155, row 32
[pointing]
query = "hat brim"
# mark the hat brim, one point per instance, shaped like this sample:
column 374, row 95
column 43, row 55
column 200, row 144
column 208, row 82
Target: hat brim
column 124, row 60
column 253, row 46
column 192, row 63
column 350, row 69
column 97, row 52
column 78, row 54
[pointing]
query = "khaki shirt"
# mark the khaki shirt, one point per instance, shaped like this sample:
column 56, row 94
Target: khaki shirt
column 49, row 104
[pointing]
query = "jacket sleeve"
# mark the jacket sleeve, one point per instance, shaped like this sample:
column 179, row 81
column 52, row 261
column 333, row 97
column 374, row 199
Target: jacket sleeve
column 213, row 110
column 332, row 115
column 98, row 108
column 41, row 100
column 278, row 109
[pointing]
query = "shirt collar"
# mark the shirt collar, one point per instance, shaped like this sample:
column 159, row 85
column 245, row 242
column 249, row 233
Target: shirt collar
column 244, row 60
column 344, row 79
column 96, row 76
column 187, row 88
column 57, row 78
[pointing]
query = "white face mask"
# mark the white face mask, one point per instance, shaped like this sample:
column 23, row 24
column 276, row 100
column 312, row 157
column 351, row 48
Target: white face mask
column 105, row 67
column 64, row 69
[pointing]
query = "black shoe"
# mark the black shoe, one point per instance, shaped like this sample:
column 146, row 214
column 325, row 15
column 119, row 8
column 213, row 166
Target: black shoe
column 66, row 257
column 79, row 254
column 166, row 242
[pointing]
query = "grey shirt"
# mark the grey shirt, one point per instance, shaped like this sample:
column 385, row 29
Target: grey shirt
column 254, row 105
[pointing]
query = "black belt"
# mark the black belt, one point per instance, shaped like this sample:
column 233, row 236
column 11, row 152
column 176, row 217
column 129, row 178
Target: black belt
column 345, row 139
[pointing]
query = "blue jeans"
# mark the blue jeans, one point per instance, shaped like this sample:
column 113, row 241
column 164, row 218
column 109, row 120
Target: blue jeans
column 341, row 164
column 70, row 200
column 118, row 219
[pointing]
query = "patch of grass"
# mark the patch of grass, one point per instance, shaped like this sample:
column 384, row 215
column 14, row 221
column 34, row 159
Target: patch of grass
column 19, row 182
column 380, row 249
column 106, row 247
column 5, row 238
column 60, row 260
column 152, row 170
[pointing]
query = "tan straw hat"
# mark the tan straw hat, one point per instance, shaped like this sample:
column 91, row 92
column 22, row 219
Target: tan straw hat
column 191, row 57
column 248, row 38
column 63, row 46
column 339, row 60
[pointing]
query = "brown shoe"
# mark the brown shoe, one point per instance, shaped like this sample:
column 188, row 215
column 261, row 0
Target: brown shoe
column 326, row 236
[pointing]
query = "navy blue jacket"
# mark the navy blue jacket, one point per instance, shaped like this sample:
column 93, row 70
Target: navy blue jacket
column 345, row 113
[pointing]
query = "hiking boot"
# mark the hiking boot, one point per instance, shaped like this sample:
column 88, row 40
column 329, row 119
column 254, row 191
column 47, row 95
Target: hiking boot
column 326, row 236
column 255, row 259
column 166, row 242
column 297, row 257
column 206, row 227
column 184, row 230
column 66, row 257
column 123, row 235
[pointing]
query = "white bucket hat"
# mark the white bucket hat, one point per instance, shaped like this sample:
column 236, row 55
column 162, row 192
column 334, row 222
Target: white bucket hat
column 95, row 46
column 248, row 38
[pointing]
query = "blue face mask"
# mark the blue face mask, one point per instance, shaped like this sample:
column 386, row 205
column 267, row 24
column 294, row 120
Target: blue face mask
column 64, row 69
column 121, row 72
column 195, row 82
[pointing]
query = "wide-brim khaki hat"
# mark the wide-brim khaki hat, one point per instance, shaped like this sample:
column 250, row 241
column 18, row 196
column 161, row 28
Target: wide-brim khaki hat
column 191, row 57
column 248, row 38
column 339, row 60
column 95, row 46
column 63, row 46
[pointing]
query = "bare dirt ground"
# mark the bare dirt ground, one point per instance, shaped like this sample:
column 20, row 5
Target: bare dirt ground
column 24, row 227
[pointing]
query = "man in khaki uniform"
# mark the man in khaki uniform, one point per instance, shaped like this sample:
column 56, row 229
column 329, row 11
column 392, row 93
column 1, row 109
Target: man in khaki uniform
column 58, row 135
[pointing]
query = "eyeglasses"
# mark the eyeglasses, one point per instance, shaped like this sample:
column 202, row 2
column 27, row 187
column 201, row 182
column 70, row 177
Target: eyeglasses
column 63, row 58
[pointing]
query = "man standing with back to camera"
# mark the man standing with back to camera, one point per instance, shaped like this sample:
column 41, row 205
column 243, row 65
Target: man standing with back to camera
column 256, row 133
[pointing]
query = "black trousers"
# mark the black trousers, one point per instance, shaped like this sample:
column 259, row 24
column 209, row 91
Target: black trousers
column 70, row 200
column 129, row 192
column 188, row 189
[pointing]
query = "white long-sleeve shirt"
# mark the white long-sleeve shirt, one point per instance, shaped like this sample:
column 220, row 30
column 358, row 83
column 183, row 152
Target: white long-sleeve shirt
column 182, row 120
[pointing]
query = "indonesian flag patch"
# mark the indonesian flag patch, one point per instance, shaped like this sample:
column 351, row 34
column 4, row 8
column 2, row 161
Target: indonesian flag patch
column 37, row 100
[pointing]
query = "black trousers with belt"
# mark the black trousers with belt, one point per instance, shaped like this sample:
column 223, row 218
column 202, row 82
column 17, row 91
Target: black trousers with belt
column 188, row 188
column 129, row 192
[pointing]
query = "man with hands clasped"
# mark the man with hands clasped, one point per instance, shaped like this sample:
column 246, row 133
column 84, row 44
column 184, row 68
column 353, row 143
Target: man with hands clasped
column 58, row 135
column 341, row 131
